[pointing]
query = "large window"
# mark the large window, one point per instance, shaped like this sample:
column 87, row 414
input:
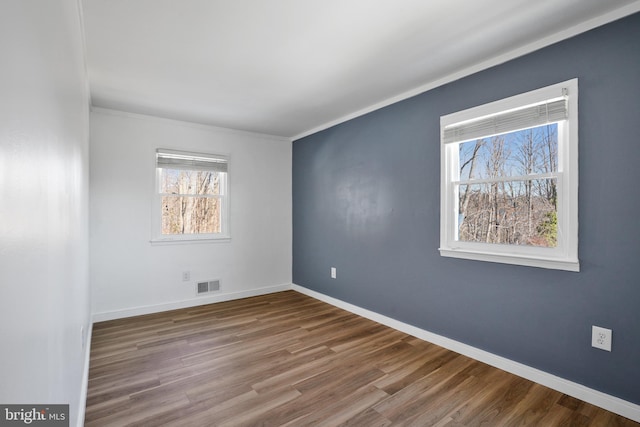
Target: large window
column 191, row 200
column 510, row 180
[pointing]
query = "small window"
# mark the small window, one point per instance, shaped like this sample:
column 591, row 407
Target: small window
column 509, row 186
column 191, row 200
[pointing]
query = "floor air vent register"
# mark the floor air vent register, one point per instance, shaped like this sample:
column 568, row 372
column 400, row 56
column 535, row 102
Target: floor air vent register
column 206, row 287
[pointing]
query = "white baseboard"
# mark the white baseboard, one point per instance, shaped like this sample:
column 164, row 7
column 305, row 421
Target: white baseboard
column 82, row 406
column 202, row 300
column 598, row 398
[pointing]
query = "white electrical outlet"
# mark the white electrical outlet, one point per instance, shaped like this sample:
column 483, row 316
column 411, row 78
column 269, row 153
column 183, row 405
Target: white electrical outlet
column 601, row 338
column 186, row 276
column 333, row 273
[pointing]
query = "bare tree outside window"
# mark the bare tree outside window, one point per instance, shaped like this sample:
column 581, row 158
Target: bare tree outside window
column 191, row 201
column 509, row 180
column 507, row 192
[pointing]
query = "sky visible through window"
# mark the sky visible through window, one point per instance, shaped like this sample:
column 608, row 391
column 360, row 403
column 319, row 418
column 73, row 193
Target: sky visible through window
column 189, row 202
column 507, row 191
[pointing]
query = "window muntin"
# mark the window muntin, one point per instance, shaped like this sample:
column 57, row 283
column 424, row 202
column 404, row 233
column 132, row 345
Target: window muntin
column 509, row 180
column 191, row 196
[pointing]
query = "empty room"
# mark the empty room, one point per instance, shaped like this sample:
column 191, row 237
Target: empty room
column 319, row 213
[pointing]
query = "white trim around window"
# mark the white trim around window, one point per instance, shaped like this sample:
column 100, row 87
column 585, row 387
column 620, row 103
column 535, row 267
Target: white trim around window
column 556, row 104
column 181, row 161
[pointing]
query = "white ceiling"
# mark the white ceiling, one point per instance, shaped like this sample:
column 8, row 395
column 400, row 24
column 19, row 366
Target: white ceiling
column 290, row 67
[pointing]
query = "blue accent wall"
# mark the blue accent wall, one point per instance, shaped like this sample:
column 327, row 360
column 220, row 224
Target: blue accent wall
column 366, row 197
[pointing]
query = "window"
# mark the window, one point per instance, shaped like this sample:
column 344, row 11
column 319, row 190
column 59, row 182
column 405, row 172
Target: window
column 509, row 184
column 191, row 201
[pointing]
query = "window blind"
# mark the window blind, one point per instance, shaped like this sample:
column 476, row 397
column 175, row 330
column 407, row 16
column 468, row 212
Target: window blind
column 551, row 111
column 171, row 159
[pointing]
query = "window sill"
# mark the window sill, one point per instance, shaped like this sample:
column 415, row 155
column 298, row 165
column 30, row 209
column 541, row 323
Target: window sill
column 188, row 241
column 514, row 259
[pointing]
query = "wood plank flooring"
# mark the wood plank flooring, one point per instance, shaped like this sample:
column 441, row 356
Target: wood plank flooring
column 286, row 359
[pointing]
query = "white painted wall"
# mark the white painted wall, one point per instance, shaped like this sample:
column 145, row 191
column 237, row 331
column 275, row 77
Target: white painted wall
column 44, row 278
column 131, row 276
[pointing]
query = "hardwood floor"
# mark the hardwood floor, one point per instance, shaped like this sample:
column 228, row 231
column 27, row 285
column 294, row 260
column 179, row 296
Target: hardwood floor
column 287, row 359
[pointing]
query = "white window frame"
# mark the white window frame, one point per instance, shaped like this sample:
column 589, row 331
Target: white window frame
column 156, row 221
column 565, row 255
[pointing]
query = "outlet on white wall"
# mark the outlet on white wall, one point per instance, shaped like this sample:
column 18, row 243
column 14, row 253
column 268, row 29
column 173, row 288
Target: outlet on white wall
column 601, row 338
column 186, row 276
column 263, row 167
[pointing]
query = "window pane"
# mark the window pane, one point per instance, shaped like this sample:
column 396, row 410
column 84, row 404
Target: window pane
column 512, row 212
column 521, row 153
column 190, row 215
column 177, row 181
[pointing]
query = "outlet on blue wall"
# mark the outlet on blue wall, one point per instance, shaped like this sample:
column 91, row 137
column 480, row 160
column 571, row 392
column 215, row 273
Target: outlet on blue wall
column 367, row 192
